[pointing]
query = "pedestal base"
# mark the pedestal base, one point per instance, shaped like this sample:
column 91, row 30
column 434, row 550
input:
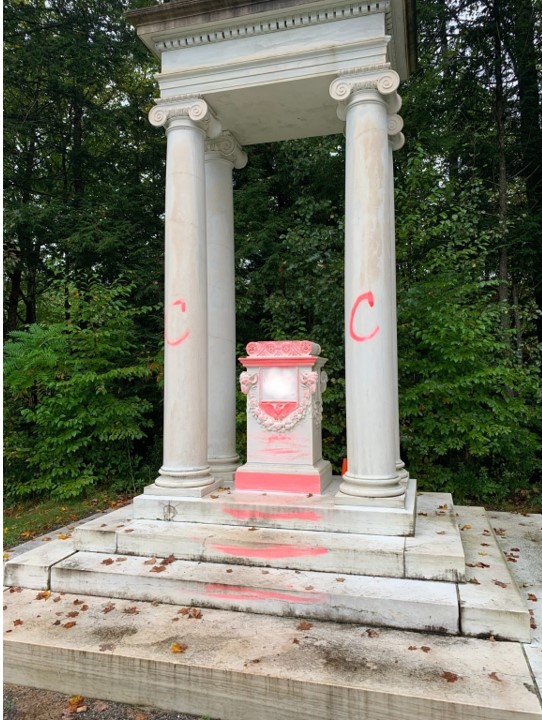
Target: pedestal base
column 284, row 478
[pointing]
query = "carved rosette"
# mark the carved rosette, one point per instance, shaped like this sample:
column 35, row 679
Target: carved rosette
column 227, row 146
column 381, row 78
column 190, row 107
column 283, row 348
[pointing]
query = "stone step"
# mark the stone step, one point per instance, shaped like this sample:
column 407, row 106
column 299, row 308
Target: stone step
column 290, row 511
column 400, row 603
column 435, row 553
column 238, row 666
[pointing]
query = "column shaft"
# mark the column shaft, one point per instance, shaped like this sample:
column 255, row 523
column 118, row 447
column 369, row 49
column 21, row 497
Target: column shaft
column 222, row 455
column 185, row 335
column 371, row 392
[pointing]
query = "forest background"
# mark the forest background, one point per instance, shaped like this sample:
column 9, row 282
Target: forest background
column 83, row 254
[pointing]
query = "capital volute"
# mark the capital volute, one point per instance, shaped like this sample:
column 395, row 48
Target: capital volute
column 192, row 108
column 381, row 78
column 226, row 146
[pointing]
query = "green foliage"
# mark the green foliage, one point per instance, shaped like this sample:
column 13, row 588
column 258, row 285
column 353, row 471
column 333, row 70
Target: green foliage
column 468, row 406
column 73, row 397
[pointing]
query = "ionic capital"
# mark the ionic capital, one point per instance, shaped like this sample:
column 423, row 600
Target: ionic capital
column 226, row 146
column 381, row 78
column 395, row 125
column 190, row 107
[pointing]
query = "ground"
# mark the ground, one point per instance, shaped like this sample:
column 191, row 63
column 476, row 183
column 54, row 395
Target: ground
column 24, row 703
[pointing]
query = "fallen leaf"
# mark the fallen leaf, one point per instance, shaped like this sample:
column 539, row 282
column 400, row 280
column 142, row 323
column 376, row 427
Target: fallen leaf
column 295, row 641
column 77, row 602
column 304, row 625
column 107, row 608
column 423, row 514
column 121, row 559
column 84, row 608
column 73, row 613
column 501, row 532
column 265, row 572
column 129, row 530
column 443, row 507
column 252, row 528
column 514, row 549
column 64, row 536
column 214, row 497
column 229, row 570
column 425, row 649
column 18, row 622
column 494, row 676
column 309, row 495
column 441, row 532
column 57, row 599
column 43, row 595
column 177, row 647
column 466, row 527
column 500, row 583
column 107, row 561
column 474, row 581
column 450, row 676
column 75, row 701
column 485, row 544
column 341, row 579
column 195, row 613
column 309, row 587
column 56, row 622
column 412, row 647
column 372, row 633
column 183, row 611
column 100, row 706
column 478, row 565
column 158, row 568
column 486, row 532
column 16, row 589
column 532, row 597
column 6, row 556
column 131, row 610
column 150, row 561
column 70, row 624
column 46, row 539
column 168, row 560
column 482, row 553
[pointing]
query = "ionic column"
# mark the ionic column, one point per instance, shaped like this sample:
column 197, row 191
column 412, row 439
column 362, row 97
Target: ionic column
column 371, row 387
column 221, row 155
column 185, row 469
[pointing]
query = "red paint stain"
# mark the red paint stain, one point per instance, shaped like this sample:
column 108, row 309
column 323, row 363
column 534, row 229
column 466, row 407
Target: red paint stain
column 177, row 341
column 277, row 482
column 238, row 592
column 369, row 297
column 254, row 514
column 272, row 552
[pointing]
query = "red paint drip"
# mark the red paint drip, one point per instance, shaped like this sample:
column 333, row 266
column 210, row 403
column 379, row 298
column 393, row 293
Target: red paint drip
column 369, row 297
column 238, row 592
column 272, row 552
column 254, row 514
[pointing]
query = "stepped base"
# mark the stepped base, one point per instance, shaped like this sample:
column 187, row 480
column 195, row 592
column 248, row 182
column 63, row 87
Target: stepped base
column 488, row 603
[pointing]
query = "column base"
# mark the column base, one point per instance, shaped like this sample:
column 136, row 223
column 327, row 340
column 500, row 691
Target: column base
column 223, row 468
column 369, row 488
column 402, row 472
column 406, row 500
column 180, row 491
